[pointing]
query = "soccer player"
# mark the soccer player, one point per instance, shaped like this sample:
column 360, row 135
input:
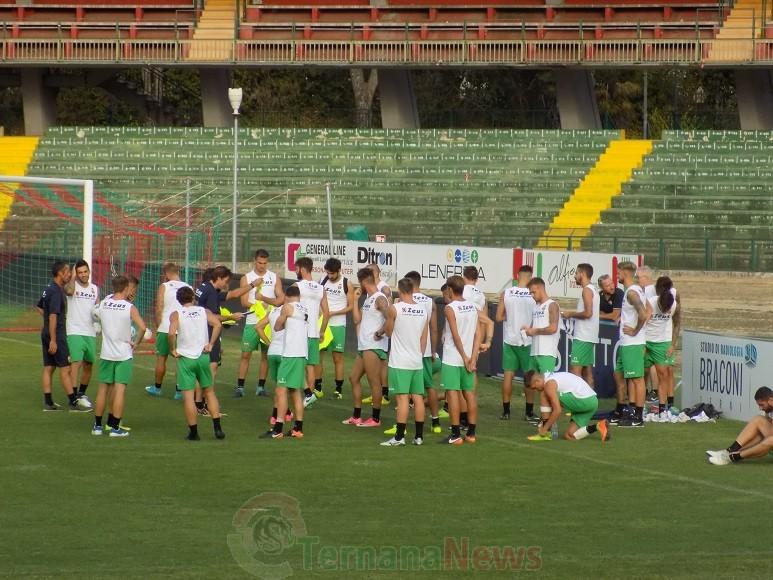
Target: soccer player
column 275, row 344
column 586, row 325
column 384, row 288
column 659, row 332
column 53, row 337
column 755, row 439
column 381, row 286
column 166, row 303
column 644, row 278
column 116, row 315
column 407, row 323
column 313, row 297
column 340, row 300
column 544, row 329
column 293, row 320
column 576, row 396
column 372, row 344
column 190, row 342
column 82, row 299
column 630, row 350
column 212, row 292
column 268, row 290
column 515, row 311
column 462, row 337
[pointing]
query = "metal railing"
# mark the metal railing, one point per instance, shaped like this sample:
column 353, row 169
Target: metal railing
column 443, row 53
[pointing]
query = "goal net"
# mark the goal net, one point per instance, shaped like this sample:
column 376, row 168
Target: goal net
column 43, row 220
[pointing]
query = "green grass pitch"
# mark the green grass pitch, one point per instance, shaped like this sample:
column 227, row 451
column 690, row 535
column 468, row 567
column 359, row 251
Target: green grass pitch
column 645, row 504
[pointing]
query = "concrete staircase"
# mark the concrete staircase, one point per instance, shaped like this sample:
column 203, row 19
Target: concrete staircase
column 215, row 32
column 735, row 38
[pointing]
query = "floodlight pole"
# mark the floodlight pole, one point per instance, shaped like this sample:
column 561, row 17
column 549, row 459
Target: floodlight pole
column 187, row 230
column 329, row 217
column 236, row 191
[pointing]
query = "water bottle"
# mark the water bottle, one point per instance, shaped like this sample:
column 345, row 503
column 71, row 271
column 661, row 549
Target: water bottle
column 554, row 431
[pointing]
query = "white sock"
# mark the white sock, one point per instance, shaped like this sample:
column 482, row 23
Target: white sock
column 581, row 433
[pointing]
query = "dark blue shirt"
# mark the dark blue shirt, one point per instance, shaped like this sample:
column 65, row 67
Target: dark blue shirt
column 608, row 303
column 210, row 298
column 52, row 301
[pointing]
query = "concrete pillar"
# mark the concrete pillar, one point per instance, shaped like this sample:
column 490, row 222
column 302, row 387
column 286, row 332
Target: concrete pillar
column 576, row 99
column 215, row 109
column 39, row 102
column 754, row 91
column 398, row 100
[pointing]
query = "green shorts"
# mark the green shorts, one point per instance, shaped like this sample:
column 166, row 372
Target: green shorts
column 406, row 382
column 381, row 354
column 193, row 370
column 583, row 354
column 338, row 344
column 250, row 339
column 115, row 371
column 162, row 344
column 656, row 354
column 274, row 360
column 430, row 367
column 292, row 372
column 582, row 410
column 630, row 361
column 543, row 363
column 516, row 358
column 82, row 348
column 313, row 357
column 456, row 378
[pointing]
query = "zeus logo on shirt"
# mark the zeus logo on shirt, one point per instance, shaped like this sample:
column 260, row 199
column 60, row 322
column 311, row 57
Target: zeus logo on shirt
column 114, row 306
column 414, row 311
column 467, row 308
column 192, row 315
column 86, row 295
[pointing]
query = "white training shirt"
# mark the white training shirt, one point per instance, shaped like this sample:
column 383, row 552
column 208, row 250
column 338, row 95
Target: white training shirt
column 311, row 295
column 519, row 312
column 473, row 294
column 170, row 302
column 372, row 321
column 80, row 310
column 629, row 317
column 267, row 289
column 116, row 319
column 587, row 329
column 571, row 384
column 466, row 314
column 660, row 327
column 544, row 344
column 405, row 349
column 428, row 305
column 296, row 338
column 336, row 300
column 277, row 336
column 192, row 331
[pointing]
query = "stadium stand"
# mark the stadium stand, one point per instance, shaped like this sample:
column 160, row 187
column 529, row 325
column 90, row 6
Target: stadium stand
column 479, row 187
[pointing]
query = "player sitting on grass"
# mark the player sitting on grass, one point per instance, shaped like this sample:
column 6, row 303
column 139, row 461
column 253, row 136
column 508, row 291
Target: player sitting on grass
column 275, row 342
column 571, row 392
column 293, row 320
column 116, row 314
column 408, row 325
column 755, row 440
column 191, row 343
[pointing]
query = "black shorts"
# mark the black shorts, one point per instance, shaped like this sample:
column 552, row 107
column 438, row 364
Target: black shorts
column 62, row 357
column 216, row 353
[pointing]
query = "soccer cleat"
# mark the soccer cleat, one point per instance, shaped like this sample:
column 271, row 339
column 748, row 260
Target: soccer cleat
column 124, row 427
column 203, row 411
column 352, row 421
column 270, row 434
column 630, row 422
column 192, row 437
column 309, row 400
column 442, row 414
column 614, row 417
column 319, row 393
column 437, row 429
column 504, row 417
column 85, row 401
column 52, row 407
column 371, row 422
column 532, row 419
column 79, row 407
column 153, row 391
column 261, row 392
column 338, row 395
column 538, row 437
column 97, row 430
column 603, row 430
column 418, row 441
column 720, row 458
column 385, row 402
column 238, row 392
column 711, row 453
column 367, row 400
column 295, row 434
column 219, row 434
column 470, row 439
column 391, row 431
column 392, row 442
column 178, row 395
column 452, row 440
column 118, row 432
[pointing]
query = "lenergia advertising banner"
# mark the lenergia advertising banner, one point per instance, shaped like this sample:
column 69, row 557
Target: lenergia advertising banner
column 353, row 256
column 497, row 267
column 725, row 371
